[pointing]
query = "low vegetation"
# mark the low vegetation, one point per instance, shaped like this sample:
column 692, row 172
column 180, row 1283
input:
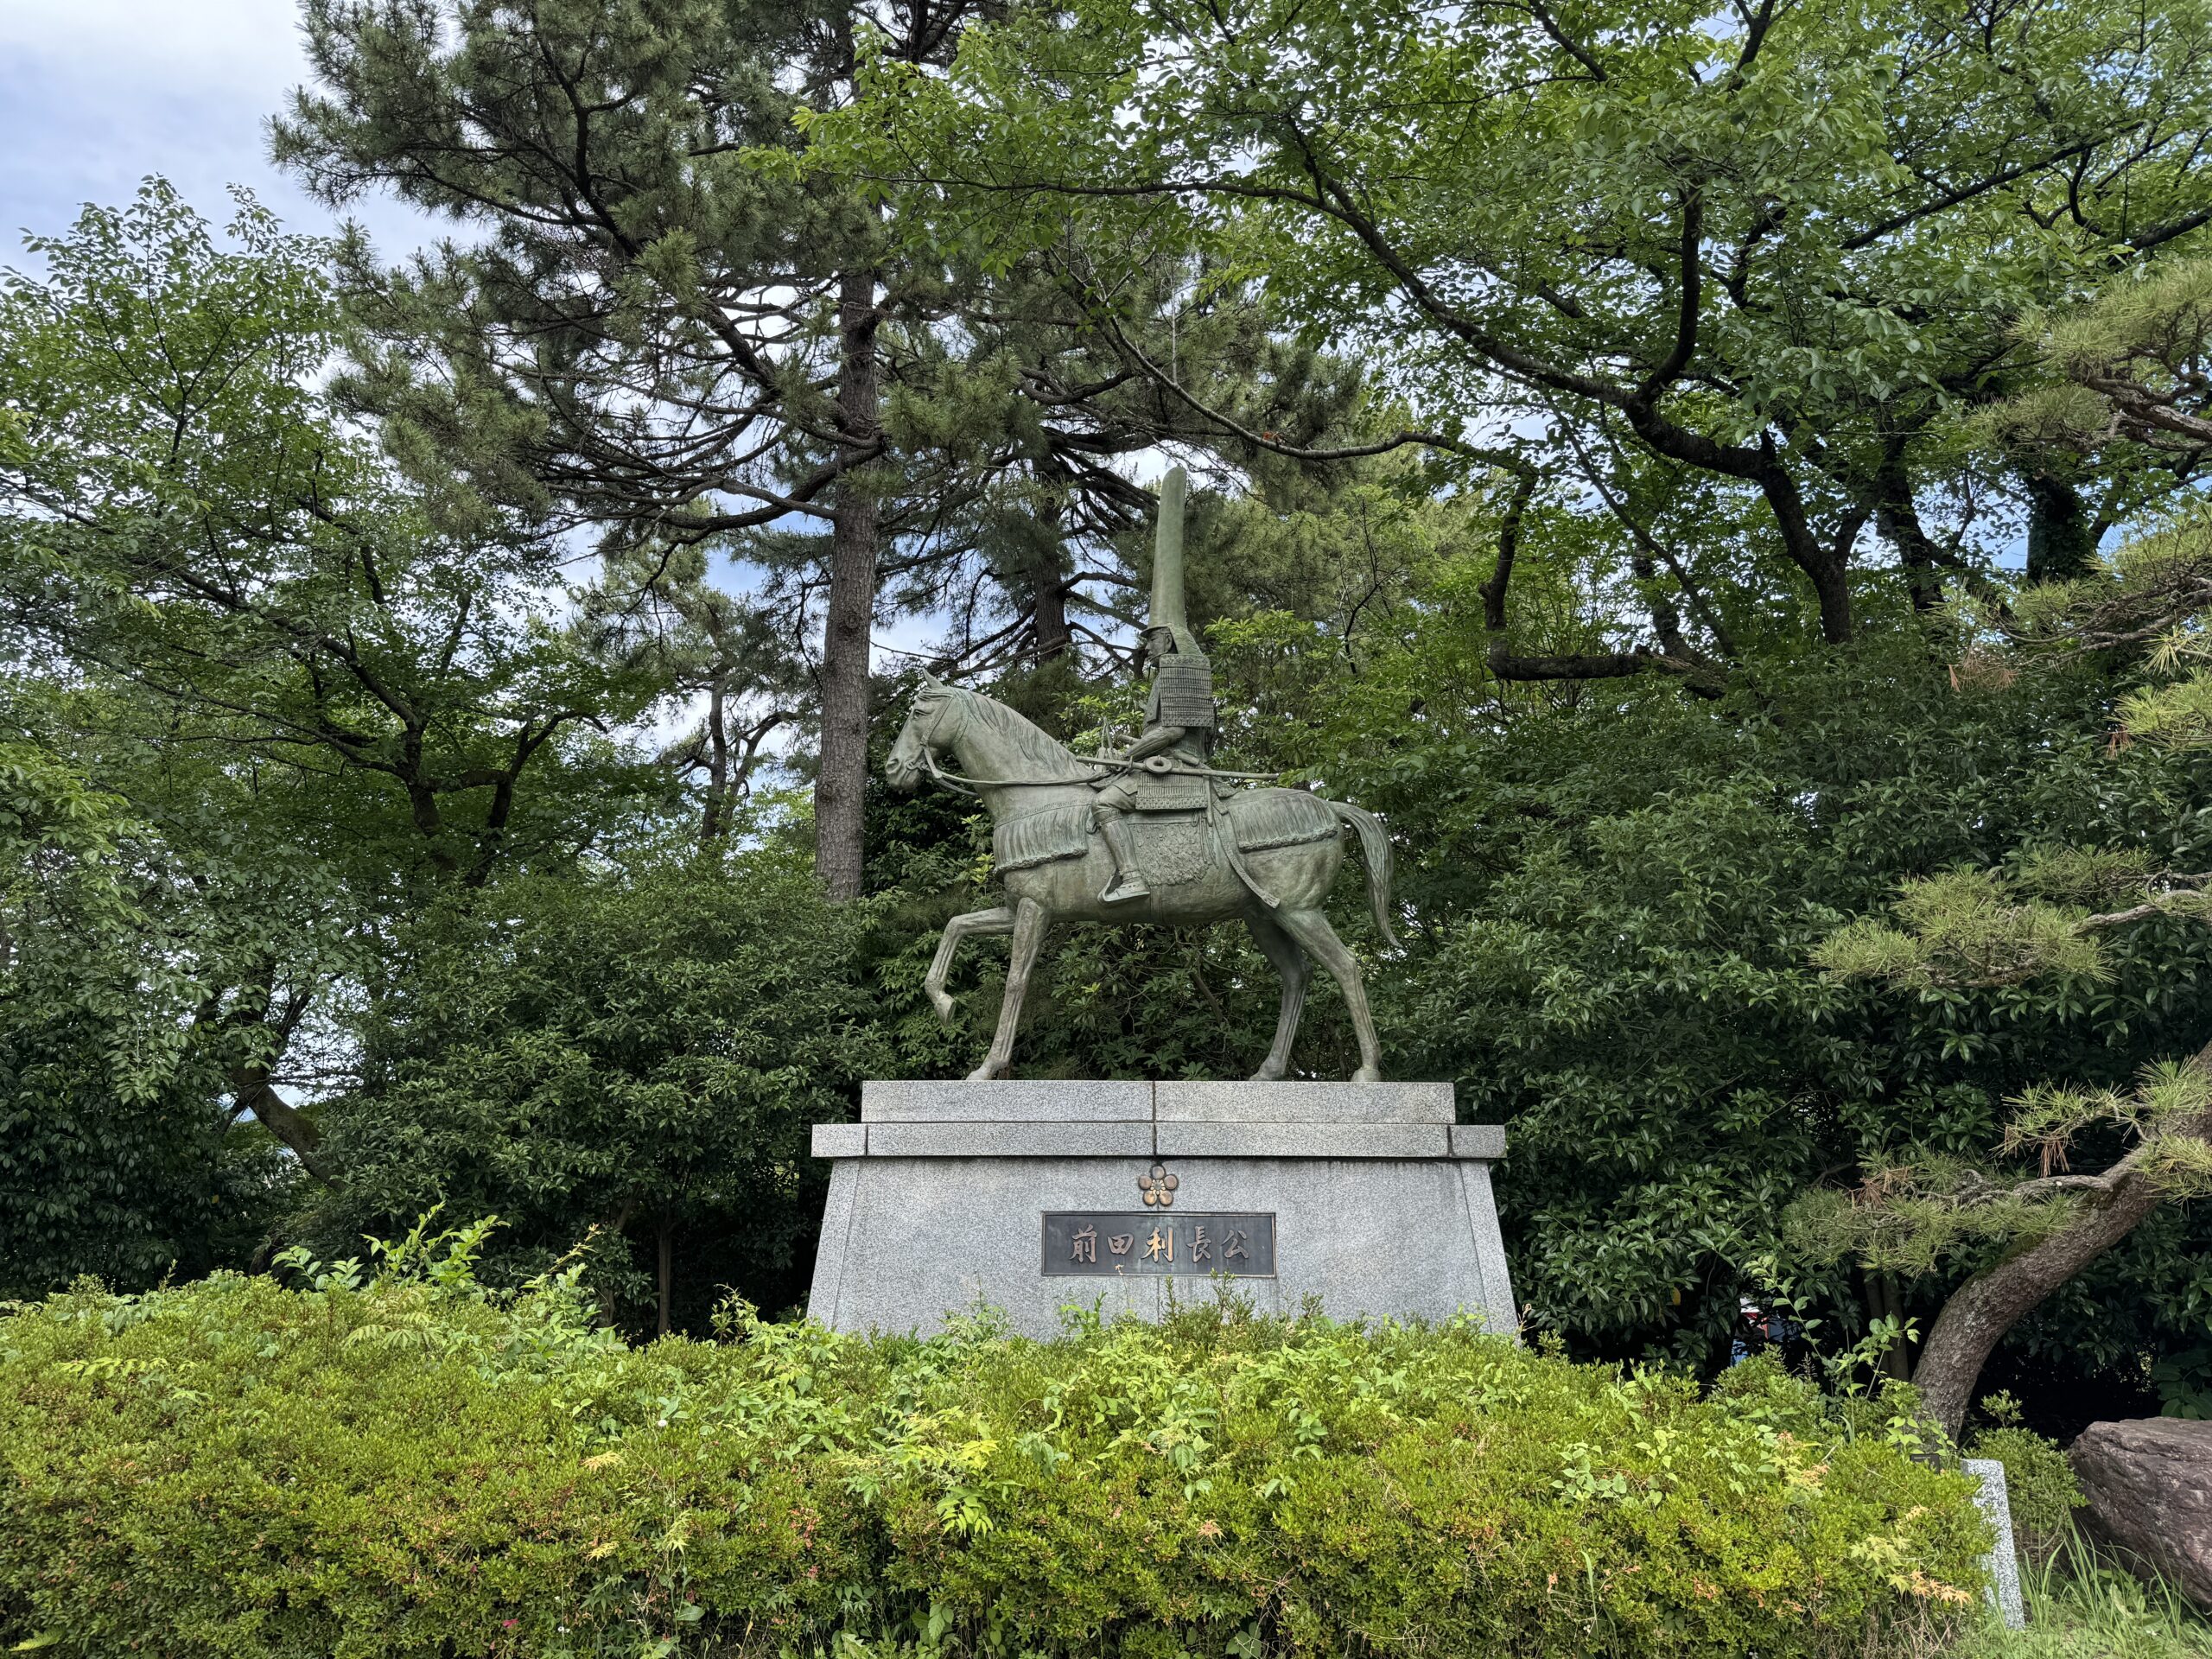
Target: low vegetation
column 402, row 1463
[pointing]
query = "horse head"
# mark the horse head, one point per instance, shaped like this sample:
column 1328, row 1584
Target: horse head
column 920, row 739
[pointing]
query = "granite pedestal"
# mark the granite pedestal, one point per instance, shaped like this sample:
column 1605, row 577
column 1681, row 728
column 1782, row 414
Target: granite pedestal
column 1033, row 1195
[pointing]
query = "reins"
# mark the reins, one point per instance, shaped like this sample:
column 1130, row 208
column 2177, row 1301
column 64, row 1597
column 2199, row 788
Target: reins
column 1224, row 838
column 964, row 786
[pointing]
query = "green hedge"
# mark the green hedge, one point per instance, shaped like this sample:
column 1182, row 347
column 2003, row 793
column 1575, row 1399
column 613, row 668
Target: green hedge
column 411, row 1466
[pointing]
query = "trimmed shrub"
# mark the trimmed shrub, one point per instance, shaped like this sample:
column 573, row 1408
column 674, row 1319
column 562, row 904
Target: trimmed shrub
column 409, row 1466
column 2039, row 1482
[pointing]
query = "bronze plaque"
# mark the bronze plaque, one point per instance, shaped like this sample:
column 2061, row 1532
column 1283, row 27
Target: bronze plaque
column 1144, row 1243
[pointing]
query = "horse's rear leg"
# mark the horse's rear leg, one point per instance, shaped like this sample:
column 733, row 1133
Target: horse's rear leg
column 1311, row 929
column 1289, row 962
column 1029, row 923
column 960, row 927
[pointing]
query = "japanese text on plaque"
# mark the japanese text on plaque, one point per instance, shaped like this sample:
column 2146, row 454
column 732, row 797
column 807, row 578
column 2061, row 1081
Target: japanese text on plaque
column 1131, row 1242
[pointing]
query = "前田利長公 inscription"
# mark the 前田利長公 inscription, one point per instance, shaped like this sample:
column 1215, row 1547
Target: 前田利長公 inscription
column 1133, row 1242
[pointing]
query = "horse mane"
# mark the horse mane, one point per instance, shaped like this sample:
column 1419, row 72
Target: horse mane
column 1042, row 757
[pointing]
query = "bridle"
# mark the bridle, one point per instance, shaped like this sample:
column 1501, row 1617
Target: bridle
column 953, row 780
column 928, row 743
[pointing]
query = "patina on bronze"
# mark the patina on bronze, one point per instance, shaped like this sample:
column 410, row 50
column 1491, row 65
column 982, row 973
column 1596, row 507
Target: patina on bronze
column 1158, row 1187
column 1135, row 1244
column 1152, row 835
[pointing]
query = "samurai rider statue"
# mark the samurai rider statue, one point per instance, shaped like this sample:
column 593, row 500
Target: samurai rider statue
column 1212, row 851
column 1179, row 722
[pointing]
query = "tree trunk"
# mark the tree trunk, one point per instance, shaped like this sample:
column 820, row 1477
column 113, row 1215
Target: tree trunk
column 1048, row 585
column 667, row 1271
column 251, row 1090
column 1990, row 1303
column 715, row 820
column 1883, row 1302
column 248, row 1075
column 1051, row 620
column 1897, row 516
column 2061, row 541
column 842, row 781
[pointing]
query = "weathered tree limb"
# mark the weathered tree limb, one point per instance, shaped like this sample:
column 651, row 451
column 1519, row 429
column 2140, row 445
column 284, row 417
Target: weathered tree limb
column 1507, row 665
column 1979, row 1312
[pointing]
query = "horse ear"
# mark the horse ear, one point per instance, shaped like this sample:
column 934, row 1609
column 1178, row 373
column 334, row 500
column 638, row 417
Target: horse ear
column 930, row 679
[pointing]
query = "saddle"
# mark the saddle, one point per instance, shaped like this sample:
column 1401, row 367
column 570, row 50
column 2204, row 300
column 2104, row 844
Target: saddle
column 1172, row 844
column 1169, row 795
column 1156, row 785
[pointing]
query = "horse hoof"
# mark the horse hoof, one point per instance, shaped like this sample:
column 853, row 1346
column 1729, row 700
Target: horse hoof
column 944, row 1005
column 1268, row 1074
column 983, row 1073
column 1368, row 1074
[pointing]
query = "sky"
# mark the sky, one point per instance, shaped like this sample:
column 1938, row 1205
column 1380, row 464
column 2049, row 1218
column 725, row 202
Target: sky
column 96, row 94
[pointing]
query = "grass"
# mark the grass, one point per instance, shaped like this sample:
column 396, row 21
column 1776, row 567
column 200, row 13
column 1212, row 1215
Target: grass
column 2082, row 1606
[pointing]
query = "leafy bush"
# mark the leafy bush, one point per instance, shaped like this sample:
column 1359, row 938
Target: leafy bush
column 640, row 1049
column 409, row 1465
column 2039, row 1483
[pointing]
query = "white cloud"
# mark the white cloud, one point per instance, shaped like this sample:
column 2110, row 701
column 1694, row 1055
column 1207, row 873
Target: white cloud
column 206, row 46
column 96, row 94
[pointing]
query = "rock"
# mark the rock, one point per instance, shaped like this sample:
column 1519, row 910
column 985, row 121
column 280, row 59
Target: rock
column 2149, row 1483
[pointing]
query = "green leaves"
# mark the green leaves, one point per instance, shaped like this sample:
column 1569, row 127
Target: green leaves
column 1250, row 1485
column 1965, row 927
column 1500, row 210
column 604, row 1058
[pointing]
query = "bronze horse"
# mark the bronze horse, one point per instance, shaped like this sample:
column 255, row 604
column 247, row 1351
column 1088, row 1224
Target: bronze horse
column 1267, row 857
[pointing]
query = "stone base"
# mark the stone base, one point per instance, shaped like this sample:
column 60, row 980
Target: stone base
column 1379, row 1205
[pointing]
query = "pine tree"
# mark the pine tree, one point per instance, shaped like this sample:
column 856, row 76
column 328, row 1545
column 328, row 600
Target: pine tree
column 652, row 325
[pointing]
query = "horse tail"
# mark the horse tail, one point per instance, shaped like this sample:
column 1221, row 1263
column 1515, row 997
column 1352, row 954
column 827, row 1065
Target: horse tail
column 1374, row 852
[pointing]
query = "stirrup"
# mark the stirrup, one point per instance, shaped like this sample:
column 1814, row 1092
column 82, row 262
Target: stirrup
column 1125, row 887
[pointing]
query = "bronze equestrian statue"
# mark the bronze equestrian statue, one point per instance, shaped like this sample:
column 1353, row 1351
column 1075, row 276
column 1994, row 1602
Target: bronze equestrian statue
column 1152, row 835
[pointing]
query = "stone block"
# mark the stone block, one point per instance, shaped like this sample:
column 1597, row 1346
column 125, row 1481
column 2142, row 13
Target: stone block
column 1304, row 1103
column 1479, row 1205
column 840, row 1139
column 945, row 1213
column 2002, row 1564
column 1478, row 1141
column 2149, row 1483
column 1251, row 1140
column 1019, row 1101
column 1021, row 1139
column 833, row 1247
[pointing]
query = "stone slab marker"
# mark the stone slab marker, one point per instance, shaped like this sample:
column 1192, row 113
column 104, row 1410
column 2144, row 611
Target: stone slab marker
column 2003, row 1561
column 1030, row 1195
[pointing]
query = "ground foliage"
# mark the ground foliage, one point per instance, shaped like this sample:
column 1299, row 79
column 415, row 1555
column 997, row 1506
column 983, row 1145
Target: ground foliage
column 619, row 1057
column 396, row 1462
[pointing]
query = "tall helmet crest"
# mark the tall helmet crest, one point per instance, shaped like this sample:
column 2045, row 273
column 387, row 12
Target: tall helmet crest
column 1167, row 608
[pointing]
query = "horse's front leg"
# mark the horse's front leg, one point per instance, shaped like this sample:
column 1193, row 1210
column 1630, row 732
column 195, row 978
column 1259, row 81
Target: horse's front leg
column 1029, row 925
column 999, row 921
